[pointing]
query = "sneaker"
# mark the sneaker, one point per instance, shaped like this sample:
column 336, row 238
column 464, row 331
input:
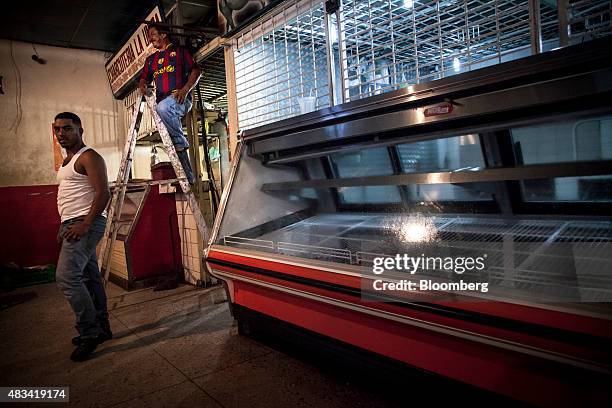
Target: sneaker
column 106, row 334
column 102, row 337
column 84, row 350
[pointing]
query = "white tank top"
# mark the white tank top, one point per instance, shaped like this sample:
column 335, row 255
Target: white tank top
column 75, row 193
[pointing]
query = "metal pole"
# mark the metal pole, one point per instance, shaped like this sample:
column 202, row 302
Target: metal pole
column 343, row 57
column 535, row 26
column 331, row 77
column 193, row 149
column 178, row 18
column 563, row 17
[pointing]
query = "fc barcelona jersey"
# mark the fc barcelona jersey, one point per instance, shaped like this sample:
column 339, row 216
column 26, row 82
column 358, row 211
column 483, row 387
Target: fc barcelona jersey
column 169, row 68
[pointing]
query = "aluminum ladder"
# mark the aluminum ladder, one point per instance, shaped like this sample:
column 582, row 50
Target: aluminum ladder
column 118, row 197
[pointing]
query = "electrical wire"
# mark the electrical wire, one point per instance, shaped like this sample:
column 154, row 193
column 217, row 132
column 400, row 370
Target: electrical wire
column 17, row 121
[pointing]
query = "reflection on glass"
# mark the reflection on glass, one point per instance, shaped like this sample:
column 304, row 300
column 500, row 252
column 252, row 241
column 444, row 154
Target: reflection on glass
column 563, row 142
column 447, row 192
column 363, row 163
column 453, row 153
column 593, row 188
column 412, row 229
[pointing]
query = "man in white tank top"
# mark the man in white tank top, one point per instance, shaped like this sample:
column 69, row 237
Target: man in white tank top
column 81, row 201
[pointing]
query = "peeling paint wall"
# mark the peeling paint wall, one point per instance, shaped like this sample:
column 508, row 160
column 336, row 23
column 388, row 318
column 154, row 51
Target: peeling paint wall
column 71, row 80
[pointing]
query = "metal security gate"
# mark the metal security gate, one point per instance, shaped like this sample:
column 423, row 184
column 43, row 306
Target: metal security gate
column 305, row 57
column 282, row 66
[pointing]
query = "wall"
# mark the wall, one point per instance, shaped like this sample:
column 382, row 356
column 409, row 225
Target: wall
column 191, row 242
column 28, row 225
column 156, row 233
column 71, row 80
column 142, row 159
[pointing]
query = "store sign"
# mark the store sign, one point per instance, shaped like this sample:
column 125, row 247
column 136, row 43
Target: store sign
column 130, row 59
column 441, row 109
column 235, row 14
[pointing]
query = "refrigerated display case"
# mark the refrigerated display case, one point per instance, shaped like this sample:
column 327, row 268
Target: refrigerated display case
column 508, row 168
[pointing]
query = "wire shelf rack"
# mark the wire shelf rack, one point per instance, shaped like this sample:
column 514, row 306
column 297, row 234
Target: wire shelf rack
column 558, row 259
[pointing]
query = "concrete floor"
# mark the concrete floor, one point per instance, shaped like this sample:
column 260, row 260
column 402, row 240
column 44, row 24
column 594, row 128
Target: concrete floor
column 171, row 348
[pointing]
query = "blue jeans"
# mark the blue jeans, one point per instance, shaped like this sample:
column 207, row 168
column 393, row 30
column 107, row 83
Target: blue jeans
column 171, row 112
column 78, row 277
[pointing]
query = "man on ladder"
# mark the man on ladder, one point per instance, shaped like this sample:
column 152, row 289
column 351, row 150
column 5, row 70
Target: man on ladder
column 175, row 74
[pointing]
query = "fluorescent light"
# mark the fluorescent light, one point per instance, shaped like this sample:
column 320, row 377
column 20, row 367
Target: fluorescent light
column 408, row 3
column 456, row 64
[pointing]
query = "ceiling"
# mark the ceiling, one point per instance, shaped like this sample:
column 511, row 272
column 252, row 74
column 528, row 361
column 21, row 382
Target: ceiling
column 212, row 83
column 107, row 24
column 93, row 24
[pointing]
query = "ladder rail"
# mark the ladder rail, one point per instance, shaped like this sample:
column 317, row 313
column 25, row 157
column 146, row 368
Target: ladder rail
column 118, row 197
column 178, row 169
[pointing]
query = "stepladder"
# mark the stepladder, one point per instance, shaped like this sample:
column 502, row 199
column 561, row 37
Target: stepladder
column 119, row 192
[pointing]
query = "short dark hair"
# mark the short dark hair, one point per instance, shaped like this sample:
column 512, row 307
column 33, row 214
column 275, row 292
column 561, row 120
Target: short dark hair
column 161, row 29
column 69, row 115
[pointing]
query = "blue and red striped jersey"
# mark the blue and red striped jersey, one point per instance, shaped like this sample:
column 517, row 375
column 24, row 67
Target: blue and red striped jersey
column 169, row 68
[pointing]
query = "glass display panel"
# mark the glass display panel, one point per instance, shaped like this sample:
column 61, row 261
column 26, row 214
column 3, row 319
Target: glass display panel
column 362, row 163
column 445, row 192
column 563, row 142
column 454, row 153
column 525, row 258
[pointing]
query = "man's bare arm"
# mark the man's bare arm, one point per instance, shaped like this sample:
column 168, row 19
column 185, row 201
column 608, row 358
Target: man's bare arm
column 96, row 172
column 95, row 168
column 193, row 78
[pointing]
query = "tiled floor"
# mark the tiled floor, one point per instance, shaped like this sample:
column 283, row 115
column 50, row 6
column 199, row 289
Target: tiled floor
column 171, row 348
